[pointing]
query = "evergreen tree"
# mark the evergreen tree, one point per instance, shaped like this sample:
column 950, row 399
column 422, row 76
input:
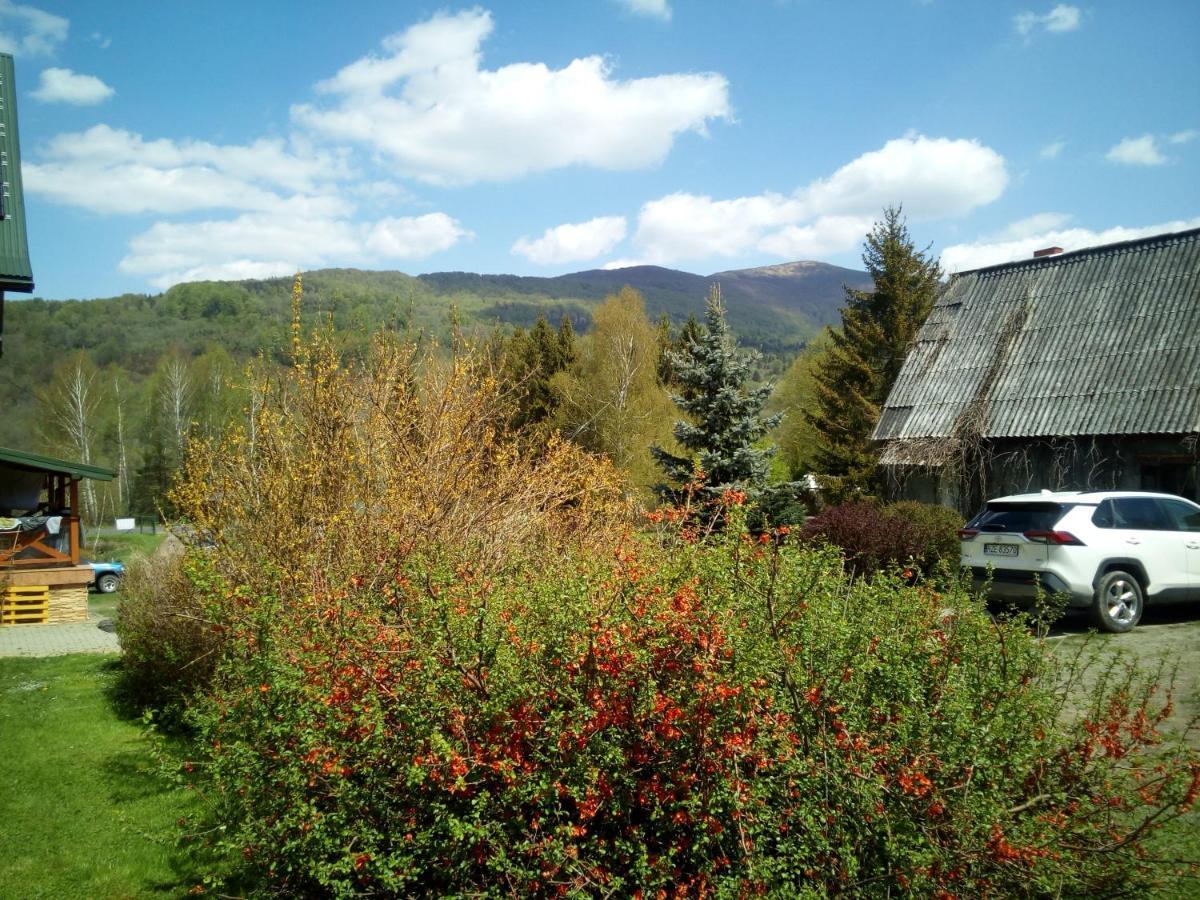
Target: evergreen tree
column 724, row 417
column 154, row 474
column 663, row 339
column 529, row 360
column 671, row 347
column 865, row 355
column 568, row 346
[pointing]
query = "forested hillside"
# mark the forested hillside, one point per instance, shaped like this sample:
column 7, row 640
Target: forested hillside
column 124, row 380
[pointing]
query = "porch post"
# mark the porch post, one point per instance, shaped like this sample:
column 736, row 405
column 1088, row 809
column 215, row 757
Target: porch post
column 74, row 521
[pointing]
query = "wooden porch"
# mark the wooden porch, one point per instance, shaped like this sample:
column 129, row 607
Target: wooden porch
column 42, row 576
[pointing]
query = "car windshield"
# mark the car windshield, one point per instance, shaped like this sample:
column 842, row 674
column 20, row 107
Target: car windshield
column 1018, row 517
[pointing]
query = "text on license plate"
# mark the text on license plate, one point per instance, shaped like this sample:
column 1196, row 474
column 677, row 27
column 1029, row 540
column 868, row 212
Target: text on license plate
column 1000, row 549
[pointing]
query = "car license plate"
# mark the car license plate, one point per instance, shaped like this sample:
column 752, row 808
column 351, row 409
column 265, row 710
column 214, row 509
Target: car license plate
column 1000, row 549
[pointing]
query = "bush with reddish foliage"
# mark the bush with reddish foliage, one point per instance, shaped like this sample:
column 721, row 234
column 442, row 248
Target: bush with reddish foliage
column 906, row 535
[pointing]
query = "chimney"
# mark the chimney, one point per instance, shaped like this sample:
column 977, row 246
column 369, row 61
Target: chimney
column 1047, row 251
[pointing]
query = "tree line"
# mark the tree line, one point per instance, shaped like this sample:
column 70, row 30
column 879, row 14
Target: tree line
column 661, row 401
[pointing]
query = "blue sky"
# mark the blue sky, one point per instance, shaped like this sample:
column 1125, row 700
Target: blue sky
column 167, row 142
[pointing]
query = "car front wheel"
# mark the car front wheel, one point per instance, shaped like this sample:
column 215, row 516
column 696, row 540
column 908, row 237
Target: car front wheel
column 1117, row 603
column 107, row 583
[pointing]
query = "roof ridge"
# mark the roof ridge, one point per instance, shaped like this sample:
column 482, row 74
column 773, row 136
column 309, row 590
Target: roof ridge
column 1163, row 238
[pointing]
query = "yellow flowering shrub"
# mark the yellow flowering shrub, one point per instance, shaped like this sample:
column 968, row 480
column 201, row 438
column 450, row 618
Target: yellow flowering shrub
column 341, row 463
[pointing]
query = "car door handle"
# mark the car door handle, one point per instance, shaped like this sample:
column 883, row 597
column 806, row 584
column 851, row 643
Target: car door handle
column 1193, row 545
column 1132, row 541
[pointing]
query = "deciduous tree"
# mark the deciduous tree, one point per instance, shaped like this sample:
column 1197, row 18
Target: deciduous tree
column 72, row 408
column 795, row 395
column 612, row 402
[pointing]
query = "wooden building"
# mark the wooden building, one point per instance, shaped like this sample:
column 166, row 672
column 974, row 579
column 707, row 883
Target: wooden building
column 16, row 273
column 1069, row 371
column 42, row 577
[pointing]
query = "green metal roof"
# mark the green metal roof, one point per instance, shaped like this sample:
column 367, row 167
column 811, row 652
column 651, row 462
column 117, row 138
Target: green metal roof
column 37, row 463
column 15, row 271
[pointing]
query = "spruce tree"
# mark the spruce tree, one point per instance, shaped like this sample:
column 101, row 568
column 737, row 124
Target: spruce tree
column 529, row 360
column 866, row 353
column 568, row 346
column 671, row 346
column 724, row 417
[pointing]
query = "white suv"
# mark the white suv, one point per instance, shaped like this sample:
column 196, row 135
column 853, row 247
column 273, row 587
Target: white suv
column 1110, row 551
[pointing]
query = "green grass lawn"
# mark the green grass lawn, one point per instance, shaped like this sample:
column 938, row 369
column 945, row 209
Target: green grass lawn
column 83, row 810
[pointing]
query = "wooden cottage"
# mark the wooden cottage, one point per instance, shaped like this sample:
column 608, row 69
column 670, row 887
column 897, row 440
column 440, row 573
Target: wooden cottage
column 42, row 578
column 1069, row 371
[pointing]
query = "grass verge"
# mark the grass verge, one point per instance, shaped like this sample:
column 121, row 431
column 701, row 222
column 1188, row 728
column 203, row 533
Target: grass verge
column 85, row 811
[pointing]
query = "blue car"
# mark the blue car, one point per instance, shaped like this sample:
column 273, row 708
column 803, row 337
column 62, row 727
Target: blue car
column 106, row 576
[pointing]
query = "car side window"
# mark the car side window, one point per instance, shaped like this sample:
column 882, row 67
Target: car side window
column 1103, row 516
column 1181, row 516
column 1139, row 513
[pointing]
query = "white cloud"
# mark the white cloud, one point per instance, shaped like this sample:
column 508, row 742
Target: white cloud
column 1183, row 137
column 233, row 270
column 102, row 40
column 1052, row 150
column 1139, row 151
column 999, row 249
column 65, row 86
column 933, row 178
column 825, row 235
column 689, row 226
column 573, row 242
column 259, row 245
column 1061, row 18
column 429, row 106
column 412, row 237
column 652, row 9
column 109, row 170
column 1037, row 224
column 296, row 205
column 29, row 31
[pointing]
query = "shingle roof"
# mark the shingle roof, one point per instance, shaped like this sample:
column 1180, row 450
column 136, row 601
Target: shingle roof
column 1098, row 341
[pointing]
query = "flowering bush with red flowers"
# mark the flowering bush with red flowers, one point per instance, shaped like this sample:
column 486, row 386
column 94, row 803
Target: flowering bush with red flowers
column 686, row 718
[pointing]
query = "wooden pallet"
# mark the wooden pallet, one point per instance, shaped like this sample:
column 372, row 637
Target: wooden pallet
column 26, row 605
